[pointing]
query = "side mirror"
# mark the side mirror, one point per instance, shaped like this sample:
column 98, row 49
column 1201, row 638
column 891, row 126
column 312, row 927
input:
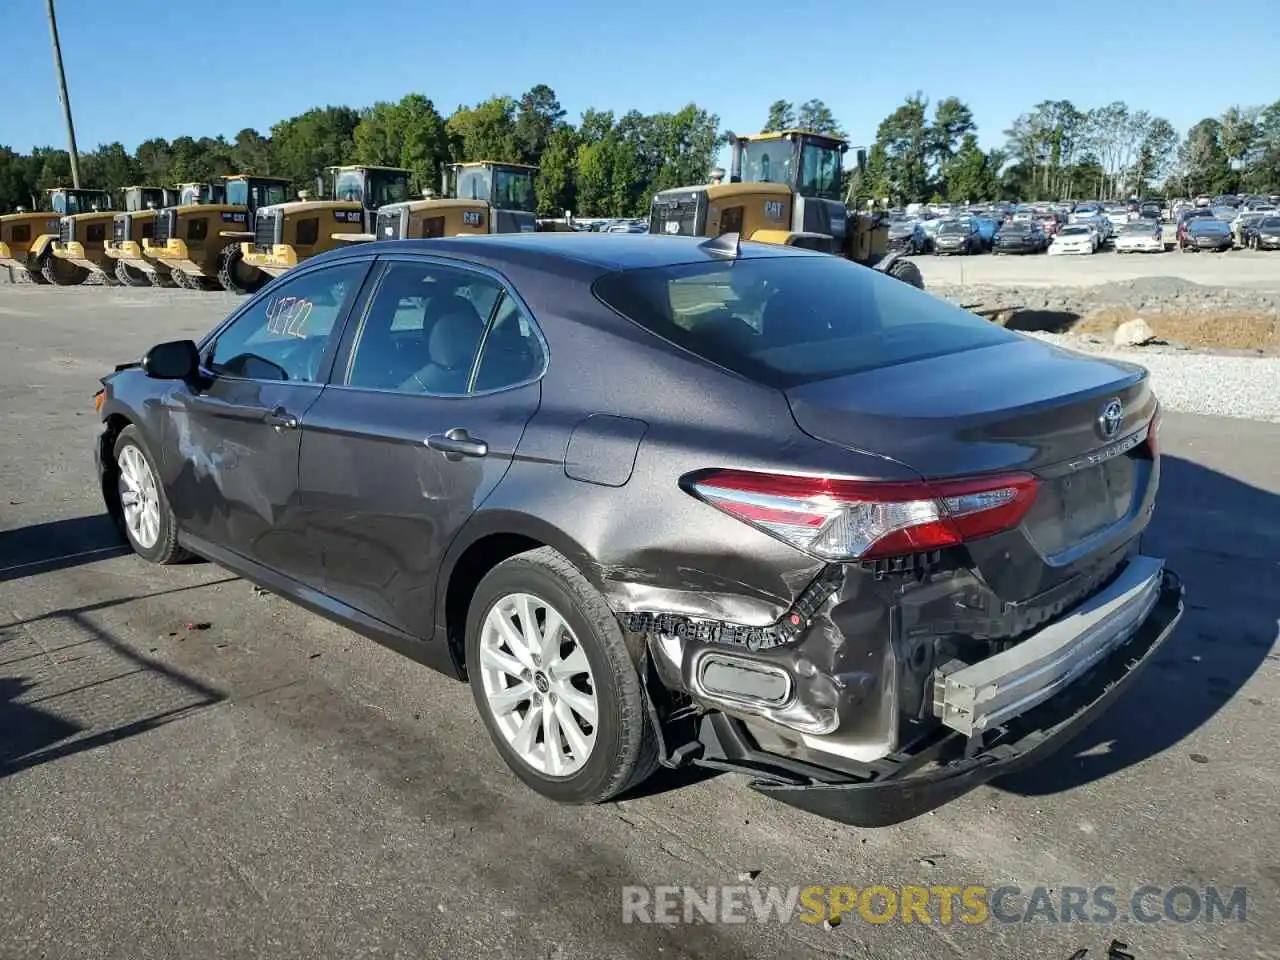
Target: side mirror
column 862, row 161
column 175, row 360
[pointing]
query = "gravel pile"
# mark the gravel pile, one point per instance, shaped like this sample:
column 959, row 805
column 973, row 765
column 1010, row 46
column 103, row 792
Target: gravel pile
column 1150, row 294
column 1247, row 388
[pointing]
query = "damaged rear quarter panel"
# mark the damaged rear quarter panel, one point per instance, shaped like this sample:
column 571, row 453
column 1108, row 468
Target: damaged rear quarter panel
column 652, row 546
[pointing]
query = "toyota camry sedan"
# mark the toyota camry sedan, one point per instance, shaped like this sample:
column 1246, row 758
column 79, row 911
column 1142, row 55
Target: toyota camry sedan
column 667, row 501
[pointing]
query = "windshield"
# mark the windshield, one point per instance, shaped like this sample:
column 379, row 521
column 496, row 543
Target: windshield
column 70, row 202
column 954, row 227
column 264, row 194
column 387, row 186
column 512, row 189
column 1137, row 228
column 1073, row 231
column 784, row 321
column 1086, row 208
column 766, row 161
column 1269, row 223
column 1016, row 227
column 1207, row 225
column 820, row 171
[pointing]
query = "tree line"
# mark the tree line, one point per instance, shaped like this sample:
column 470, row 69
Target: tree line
column 611, row 165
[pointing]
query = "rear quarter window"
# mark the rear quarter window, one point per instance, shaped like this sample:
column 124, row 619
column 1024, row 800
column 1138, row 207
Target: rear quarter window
column 786, row 321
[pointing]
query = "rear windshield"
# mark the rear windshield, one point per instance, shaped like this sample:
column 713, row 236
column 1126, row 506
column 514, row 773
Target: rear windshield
column 785, row 321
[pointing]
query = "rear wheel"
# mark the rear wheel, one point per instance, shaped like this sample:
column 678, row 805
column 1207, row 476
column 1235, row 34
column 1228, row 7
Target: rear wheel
column 236, row 275
column 555, row 683
column 144, row 513
column 160, row 278
column 131, row 276
column 180, row 278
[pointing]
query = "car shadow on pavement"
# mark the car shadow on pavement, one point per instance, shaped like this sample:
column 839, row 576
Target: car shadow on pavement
column 1222, row 537
column 58, row 544
column 92, row 691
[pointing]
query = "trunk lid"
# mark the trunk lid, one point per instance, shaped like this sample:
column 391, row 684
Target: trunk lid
column 1022, row 405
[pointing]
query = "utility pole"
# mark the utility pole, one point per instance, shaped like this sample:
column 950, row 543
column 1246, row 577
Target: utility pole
column 62, row 95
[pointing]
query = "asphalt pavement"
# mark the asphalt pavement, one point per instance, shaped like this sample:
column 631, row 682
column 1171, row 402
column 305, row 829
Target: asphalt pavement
column 189, row 769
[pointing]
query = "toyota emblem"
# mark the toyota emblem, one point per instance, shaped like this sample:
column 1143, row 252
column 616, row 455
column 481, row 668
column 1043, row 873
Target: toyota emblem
column 1111, row 419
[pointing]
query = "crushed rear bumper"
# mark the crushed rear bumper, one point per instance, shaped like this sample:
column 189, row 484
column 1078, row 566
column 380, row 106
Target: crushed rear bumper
column 909, row 784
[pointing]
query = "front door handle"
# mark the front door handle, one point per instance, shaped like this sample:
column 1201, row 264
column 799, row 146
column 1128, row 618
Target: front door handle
column 281, row 419
column 456, row 444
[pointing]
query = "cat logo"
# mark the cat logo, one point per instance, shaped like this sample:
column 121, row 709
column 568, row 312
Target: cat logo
column 472, row 218
column 773, row 209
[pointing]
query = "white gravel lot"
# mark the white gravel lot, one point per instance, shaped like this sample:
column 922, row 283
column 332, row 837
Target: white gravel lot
column 1223, row 386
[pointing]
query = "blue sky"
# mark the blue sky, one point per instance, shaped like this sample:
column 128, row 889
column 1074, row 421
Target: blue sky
column 125, row 62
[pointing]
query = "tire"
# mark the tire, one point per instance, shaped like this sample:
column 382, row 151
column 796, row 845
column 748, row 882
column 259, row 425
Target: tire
column 34, row 273
column 180, row 279
column 130, row 276
column 907, row 272
column 233, row 275
column 157, row 540
column 60, row 272
column 619, row 750
column 160, row 279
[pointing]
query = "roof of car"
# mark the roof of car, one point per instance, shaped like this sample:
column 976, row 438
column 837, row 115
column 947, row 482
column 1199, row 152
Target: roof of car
column 608, row 251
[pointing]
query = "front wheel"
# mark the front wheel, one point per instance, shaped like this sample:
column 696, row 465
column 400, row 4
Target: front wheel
column 907, row 272
column 237, row 276
column 131, row 276
column 145, row 515
column 60, row 272
column 555, row 683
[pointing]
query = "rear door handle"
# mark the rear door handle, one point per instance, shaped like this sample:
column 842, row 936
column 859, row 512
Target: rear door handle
column 281, row 419
column 457, row 443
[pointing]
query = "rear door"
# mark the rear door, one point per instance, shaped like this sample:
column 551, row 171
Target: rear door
column 428, row 401
column 238, row 431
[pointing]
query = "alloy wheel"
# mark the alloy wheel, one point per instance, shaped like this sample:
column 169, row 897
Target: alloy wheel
column 538, row 684
column 139, row 497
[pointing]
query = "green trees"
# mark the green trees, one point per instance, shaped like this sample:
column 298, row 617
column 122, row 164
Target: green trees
column 610, row 164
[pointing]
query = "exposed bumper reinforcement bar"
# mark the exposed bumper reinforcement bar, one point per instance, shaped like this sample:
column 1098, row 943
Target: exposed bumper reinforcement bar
column 970, row 699
column 907, row 785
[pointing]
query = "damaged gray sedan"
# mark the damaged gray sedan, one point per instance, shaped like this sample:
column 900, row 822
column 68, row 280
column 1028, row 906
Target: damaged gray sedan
column 664, row 501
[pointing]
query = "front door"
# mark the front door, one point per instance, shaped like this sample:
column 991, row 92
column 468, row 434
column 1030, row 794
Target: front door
column 415, row 432
column 234, row 480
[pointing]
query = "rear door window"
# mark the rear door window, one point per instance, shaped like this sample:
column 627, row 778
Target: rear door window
column 784, row 321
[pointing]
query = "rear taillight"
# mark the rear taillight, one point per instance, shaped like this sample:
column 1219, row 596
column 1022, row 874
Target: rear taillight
column 866, row 520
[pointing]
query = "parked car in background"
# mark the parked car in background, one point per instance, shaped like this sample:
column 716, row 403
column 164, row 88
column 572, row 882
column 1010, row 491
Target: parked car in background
column 987, row 227
column 1185, row 217
column 907, row 236
column 1084, row 211
column 1241, row 224
column 957, row 237
column 1207, row 233
column 1020, row 236
column 1265, row 234
column 1140, row 236
column 1074, row 238
column 1050, row 223
column 1151, row 210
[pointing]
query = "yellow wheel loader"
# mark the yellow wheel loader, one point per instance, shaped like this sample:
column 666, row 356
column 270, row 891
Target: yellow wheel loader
column 285, row 234
column 44, row 245
column 199, row 237
column 480, row 197
column 784, row 187
column 128, row 231
column 25, row 235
